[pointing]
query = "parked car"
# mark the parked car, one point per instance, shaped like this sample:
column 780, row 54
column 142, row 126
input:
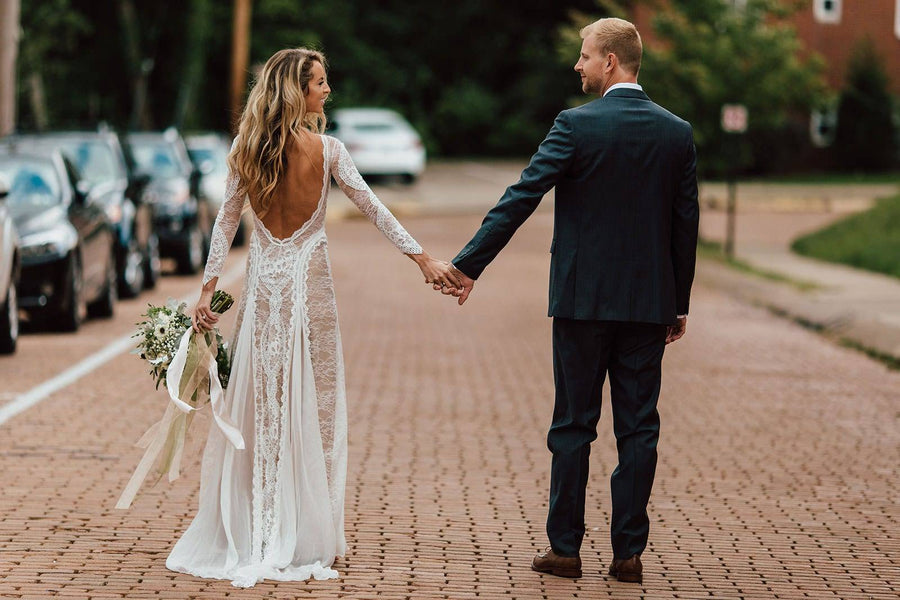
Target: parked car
column 183, row 217
column 9, row 276
column 209, row 153
column 100, row 160
column 67, row 244
column 380, row 141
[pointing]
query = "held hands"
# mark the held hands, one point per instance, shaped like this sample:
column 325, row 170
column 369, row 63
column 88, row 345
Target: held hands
column 464, row 288
column 444, row 277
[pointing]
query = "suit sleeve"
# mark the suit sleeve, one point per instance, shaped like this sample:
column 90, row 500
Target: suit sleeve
column 552, row 159
column 685, row 225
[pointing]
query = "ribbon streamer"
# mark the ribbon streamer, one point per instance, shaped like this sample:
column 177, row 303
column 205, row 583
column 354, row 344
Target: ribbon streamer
column 191, row 379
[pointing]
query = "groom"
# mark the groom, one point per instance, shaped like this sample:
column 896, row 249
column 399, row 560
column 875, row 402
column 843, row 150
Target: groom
column 621, row 268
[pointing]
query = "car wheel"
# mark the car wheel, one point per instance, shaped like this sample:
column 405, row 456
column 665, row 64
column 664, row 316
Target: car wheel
column 191, row 258
column 131, row 279
column 75, row 311
column 152, row 263
column 408, row 178
column 9, row 321
column 106, row 304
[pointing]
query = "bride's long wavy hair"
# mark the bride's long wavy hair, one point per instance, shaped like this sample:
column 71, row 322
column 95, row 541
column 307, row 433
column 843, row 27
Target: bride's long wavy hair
column 275, row 113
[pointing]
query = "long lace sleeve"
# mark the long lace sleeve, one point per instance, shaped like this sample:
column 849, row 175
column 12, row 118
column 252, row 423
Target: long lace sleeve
column 227, row 222
column 352, row 184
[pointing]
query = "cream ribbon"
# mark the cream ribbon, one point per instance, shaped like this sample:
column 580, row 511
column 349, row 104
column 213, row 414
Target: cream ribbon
column 168, row 434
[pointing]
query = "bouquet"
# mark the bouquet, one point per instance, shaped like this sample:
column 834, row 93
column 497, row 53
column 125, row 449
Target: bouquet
column 194, row 368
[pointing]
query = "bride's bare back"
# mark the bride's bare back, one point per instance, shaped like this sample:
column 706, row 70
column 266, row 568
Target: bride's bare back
column 297, row 194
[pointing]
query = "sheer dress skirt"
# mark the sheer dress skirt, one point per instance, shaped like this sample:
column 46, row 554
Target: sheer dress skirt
column 275, row 509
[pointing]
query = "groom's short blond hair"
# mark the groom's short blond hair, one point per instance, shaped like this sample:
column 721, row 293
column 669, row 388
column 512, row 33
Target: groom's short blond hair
column 619, row 37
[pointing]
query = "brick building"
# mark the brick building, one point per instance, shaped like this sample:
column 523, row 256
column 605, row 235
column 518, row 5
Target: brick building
column 831, row 28
column 834, row 27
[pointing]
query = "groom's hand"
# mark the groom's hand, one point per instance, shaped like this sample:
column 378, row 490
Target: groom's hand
column 675, row 332
column 462, row 292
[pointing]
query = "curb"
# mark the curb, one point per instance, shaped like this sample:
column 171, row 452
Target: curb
column 813, row 309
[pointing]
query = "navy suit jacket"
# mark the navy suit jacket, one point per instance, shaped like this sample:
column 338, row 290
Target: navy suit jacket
column 626, row 214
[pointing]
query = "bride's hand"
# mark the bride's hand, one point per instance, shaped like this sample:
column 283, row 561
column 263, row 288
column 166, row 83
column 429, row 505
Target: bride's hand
column 203, row 318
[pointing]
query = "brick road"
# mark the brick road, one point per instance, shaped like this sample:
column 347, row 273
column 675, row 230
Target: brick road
column 778, row 473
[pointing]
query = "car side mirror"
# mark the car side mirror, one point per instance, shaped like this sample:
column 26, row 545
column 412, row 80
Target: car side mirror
column 136, row 185
column 82, row 191
column 194, row 179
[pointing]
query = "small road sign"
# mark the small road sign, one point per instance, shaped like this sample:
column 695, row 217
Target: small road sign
column 734, row 118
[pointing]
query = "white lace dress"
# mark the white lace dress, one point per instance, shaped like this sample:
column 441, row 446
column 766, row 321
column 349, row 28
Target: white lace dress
column 275, row 510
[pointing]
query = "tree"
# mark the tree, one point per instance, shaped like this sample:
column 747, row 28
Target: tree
column 710, row 52
column 9, row 47
column 866, row 135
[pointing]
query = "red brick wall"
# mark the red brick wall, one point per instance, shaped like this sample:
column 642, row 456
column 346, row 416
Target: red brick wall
column 859, row 18
column 835, row 43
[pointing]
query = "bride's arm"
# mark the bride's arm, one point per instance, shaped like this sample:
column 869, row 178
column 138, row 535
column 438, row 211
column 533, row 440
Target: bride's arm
column 227, row 222
column 353, row 185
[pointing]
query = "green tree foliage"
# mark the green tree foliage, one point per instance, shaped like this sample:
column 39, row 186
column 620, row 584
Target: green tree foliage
column 474, row 76
column 702, row 54
column 866, row 135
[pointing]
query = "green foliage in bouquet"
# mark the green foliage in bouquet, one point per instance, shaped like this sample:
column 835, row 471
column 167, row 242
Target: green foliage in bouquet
column 160, row 333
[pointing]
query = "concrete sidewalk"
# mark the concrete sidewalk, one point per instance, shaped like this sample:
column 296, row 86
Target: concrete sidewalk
column 848, row 303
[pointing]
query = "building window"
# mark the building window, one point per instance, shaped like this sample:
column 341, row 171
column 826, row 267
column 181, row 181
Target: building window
column 827, row 11
column 822, row 125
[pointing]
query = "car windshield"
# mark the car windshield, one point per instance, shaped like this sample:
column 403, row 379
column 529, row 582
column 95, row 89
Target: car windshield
column 156, row 158
column 94, row 160
column 218, row 160
column 374, row 126
column 32, row 184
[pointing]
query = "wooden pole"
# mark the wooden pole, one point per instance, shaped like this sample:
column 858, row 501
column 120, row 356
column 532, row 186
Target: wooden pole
column 9, row 47
column 240, row 56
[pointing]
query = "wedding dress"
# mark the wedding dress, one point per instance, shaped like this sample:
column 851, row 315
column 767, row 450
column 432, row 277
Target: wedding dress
column 275, row 510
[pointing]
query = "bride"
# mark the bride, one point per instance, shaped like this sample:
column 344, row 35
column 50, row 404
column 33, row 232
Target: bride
column 275, row 510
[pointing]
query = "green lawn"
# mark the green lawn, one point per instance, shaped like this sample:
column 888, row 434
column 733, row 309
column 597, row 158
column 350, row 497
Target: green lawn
column 867, row 240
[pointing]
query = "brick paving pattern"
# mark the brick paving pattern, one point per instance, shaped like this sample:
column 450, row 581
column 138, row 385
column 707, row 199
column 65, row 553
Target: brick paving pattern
column 778, row 472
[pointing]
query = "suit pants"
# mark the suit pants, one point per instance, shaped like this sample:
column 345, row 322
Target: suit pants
column 583, row 353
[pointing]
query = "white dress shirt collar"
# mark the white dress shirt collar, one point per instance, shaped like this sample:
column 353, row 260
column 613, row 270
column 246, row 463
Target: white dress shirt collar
column 628, row 86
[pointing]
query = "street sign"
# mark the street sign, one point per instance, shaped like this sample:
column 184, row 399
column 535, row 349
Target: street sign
column 734, row 118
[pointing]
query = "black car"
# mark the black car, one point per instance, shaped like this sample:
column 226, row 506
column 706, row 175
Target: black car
column 183, row 217
column 100, row 160
column 67, row 244
column 9, row 276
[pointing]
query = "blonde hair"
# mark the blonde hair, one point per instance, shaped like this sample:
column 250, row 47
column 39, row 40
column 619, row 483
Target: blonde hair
column 619, row 37
column 275, row 113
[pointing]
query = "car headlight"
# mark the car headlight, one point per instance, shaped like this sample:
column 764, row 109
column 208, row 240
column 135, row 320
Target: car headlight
column 113, row 212
column 46, row 244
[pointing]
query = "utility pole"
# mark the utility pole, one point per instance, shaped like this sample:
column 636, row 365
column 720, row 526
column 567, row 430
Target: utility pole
column 240, row 56
column 9, row 47
column 734, row 124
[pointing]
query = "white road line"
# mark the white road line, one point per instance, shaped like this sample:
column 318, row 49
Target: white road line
column 123, row 344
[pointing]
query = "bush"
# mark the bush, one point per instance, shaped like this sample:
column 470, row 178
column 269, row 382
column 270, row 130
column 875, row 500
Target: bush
column 866, row 136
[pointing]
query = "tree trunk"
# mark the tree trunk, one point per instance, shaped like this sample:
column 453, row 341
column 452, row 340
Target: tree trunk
column 194, row 59
column 38, row 101
column 138, row 67
column 240, row 56
column 9, row 46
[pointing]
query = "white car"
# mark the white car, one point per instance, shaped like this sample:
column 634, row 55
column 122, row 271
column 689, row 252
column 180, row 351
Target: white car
column 380, row 141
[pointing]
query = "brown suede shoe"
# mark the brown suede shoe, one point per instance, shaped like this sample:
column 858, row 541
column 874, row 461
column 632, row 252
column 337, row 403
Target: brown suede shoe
column 553, row 564
column 627, row 569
